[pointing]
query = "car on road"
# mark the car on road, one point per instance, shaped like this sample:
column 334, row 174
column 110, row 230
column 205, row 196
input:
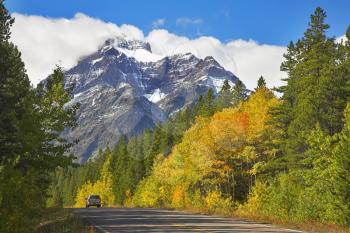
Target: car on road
column 93, row 200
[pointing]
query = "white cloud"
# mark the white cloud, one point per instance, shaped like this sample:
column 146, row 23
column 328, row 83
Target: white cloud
column 45, row 42
column 341, row 39
column 186, row 21
column 246, row 59
column 158, row 23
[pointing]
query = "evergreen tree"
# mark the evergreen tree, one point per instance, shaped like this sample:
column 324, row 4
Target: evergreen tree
column 342, row 169
column 14, row 92
column 155, row 148
column 134, row 171
column 183, row 120
column 6, row 22
column 146, row 144
column 224, row 98
column 119, row 165
column 261, row 83
column 239, row 93
column 317, row 89
column 31, row 122
column 207, row 109
column 198, row 105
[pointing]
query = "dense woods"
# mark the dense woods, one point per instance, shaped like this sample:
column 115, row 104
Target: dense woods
column 251, row 152
column 122, row 168
column 31, row 148
column 285, row 158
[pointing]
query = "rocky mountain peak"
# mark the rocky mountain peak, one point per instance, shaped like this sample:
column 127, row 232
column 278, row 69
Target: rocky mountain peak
column 119, row 42
column 124, row 88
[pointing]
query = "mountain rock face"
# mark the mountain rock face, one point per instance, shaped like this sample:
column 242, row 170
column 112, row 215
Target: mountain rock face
column 124, row 88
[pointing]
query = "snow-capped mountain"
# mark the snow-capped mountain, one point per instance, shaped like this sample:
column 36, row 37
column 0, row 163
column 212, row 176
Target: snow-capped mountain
column 124, row 88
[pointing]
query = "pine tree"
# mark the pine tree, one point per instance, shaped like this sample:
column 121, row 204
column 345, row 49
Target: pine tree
column 30, row 143
column 119, row 165
column 14, row 92
column 207, row 108
column 181, row 123
column 261, row 83
column 317, row 88
column 224, row 98
column 155, row 148
column 226, row 86
column 134, row 171
column 342, row 165
column 198, row 105
column 239, row 93
column 6, row 22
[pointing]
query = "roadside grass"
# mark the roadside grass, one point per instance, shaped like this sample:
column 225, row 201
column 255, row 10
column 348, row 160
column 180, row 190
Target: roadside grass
column 59, row 220
column 314, row 227
column 303, row 226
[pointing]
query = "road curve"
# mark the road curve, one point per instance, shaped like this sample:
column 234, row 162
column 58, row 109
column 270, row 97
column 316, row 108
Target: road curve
column 108, row 220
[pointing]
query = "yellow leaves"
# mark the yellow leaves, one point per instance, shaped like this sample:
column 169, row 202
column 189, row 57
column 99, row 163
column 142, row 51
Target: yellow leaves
column 102, row 187
column 211, row 152
column 257, row 167
column 248, row 154
column 347, row 116
column 128, row 199
column 105, row 168
column 215, row 201
column 227, row 130
column 149, row 193
column 82, row 194
column 254, row 199
column 257, row 108
column 178, row 200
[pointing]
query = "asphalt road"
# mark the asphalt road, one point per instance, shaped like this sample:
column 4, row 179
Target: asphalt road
column 156, row 220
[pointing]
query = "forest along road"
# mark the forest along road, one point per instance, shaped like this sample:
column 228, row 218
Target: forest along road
column 157, row 220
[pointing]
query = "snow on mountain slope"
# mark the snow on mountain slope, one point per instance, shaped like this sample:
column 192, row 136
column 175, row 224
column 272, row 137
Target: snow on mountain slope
column 139, row 50
column 156, row 96
column 141, row 55
column 217, row 83
column 124, row 88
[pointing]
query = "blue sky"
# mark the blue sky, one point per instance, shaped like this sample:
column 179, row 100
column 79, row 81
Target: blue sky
column 271, row 21
column 247, row 37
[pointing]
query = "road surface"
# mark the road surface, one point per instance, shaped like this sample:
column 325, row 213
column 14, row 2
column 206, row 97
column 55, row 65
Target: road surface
column 156, row 220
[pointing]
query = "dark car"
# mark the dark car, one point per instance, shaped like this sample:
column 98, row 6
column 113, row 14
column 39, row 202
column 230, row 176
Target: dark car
column 93, row 200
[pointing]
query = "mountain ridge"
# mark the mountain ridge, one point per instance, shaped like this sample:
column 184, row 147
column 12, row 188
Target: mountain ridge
column 123, row 91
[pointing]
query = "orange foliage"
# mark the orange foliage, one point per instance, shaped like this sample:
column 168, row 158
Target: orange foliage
column 210, row 154
column 178, row 200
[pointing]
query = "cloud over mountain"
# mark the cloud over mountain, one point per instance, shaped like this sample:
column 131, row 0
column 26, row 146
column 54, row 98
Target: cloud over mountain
column 45, row 42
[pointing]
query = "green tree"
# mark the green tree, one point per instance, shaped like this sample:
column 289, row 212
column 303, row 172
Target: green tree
column 14, row 92
column 341, row 166
column 239, row 93
column 38, row 149
column 155, row 149
column 207, row 108
column 224, row 98
column 31, row 122
column 6, row 22
column 119, row 163
column 317, row 88
column 261, row 83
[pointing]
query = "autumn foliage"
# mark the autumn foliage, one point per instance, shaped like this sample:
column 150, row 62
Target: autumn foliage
column 209, row 167
column 102, row 187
